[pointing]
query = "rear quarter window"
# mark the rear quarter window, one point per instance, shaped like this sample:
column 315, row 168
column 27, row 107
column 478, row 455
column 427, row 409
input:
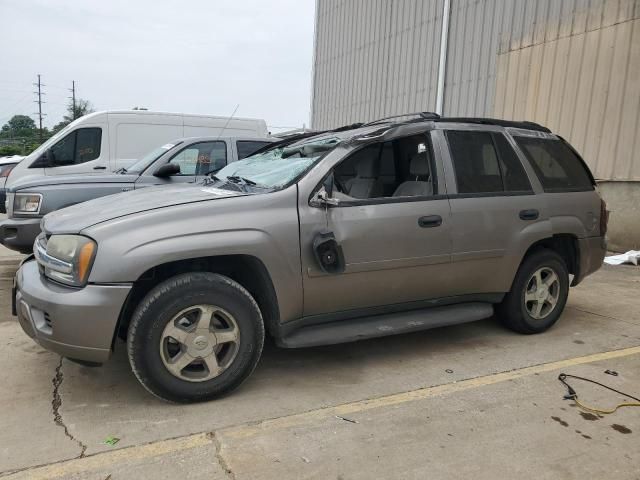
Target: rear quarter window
column 556, row 164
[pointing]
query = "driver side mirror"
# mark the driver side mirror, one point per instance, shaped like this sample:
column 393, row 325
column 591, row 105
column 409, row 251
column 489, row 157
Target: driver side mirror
column 167, row 170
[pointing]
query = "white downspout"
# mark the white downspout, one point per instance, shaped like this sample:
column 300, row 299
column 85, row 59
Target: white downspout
column 442, row 64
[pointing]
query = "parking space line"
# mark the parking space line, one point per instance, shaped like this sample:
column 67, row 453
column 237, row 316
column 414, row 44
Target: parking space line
column 105, row 459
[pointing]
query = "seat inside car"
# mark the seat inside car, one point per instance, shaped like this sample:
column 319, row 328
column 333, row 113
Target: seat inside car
column 366, row 183
column 420, row 178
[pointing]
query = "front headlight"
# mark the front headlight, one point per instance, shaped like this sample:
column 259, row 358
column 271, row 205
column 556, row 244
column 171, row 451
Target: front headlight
column 66, row 258
column 27, row 203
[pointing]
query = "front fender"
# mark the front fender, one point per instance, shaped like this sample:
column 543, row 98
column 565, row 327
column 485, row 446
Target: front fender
column 261, row 226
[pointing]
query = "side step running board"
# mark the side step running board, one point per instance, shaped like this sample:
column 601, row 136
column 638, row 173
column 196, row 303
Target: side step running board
column 388, row 324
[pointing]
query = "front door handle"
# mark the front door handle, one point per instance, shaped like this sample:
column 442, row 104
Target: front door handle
column 531, row 214
column 430, row 221
column 99, row 168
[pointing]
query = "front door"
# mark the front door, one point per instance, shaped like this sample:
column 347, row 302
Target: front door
column 196, row 161
column 394, row 234
column 82, row 151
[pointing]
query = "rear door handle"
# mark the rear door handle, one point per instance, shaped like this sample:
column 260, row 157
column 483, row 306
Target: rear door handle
column 531, row 214
column 99, row 168
column 430, row 221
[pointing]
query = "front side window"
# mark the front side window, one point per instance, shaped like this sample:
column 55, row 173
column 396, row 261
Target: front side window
column 247, row 147
column 201, row 158
column 80, row 146
column 484, row 162
column 556, row 164
column 397, row 168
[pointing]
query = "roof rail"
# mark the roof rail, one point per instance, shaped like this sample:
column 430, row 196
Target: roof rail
column 497, row 122
column 420, row 115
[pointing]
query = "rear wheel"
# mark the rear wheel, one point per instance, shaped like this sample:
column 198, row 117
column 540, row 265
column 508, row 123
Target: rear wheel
column 538, row 294
column 194, row 337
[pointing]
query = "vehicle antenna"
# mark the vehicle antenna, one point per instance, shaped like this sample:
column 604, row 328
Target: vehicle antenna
column 228, row 120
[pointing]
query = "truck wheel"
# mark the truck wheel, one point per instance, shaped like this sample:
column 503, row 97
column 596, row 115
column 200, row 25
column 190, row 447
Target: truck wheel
column 195, row 337
column 538, row 294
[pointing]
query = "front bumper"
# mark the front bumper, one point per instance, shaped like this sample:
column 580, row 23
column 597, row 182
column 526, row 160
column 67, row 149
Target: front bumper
column 75, row 323
column 591, row 252
column 19, row 233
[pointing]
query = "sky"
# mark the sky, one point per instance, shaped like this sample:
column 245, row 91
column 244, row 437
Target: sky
column 194, row 56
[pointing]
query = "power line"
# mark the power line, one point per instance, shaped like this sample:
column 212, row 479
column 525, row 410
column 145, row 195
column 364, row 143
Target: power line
column 40, row 102
column 73, row 98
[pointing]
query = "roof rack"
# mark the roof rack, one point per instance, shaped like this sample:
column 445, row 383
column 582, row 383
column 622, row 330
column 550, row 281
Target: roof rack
column 434, row 117
column 420, row 115
column 496, row 121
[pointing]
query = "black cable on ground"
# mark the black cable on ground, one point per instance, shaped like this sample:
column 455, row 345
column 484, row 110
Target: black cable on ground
column 573, row 395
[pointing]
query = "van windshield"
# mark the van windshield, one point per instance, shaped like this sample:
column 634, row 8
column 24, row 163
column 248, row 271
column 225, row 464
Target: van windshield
column 278, row 167
column 149, row 158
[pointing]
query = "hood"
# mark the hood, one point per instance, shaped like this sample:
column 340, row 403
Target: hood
column 83, row 215
column 43, row 180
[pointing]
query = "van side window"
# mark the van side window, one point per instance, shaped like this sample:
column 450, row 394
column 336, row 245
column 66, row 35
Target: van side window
column 248, row 147
column 201, row 158
column 80, row 146
column 557, row 166
column 397, row 168
column 484, row 162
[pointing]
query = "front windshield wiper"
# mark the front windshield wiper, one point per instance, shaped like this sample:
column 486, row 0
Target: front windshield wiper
column 121, row 170
column 241, row 180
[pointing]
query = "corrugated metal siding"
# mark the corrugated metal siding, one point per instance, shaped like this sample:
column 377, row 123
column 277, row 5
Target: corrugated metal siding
column 573, row 65
column 579, row 74
column 374, row 58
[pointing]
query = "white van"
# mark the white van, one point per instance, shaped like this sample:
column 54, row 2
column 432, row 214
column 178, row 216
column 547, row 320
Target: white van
column 107, row 141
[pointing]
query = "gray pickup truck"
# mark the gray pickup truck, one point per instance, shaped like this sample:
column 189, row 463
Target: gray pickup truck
column 185, row 160
column 369, row 230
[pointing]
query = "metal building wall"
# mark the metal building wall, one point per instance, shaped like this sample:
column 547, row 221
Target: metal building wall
column 573, row 65
column 374, row 58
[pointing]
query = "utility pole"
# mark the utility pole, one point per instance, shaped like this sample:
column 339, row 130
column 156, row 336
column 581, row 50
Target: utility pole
column 73, row 98
column 39, row 102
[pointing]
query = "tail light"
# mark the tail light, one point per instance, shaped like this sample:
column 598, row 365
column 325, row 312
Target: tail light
column 604, row 218
column 6, row 170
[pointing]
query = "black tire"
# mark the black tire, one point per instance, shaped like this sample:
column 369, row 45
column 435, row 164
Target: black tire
column 165, row 301
column 513, row 313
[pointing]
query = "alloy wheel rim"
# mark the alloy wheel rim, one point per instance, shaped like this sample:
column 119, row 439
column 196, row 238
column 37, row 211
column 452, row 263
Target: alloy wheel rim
column 542, row 293
column 199, row 343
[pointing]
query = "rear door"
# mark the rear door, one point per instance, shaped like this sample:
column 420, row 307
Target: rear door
column 494, row 209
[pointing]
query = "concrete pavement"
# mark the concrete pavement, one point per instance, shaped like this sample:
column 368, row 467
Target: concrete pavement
column 435, row 403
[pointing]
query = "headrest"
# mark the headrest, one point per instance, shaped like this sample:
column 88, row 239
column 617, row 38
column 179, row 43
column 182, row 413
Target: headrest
column 367, row 168
column 419, row 165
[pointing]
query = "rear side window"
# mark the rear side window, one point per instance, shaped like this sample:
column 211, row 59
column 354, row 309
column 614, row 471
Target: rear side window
column 80, row 146
column 556, row 164
column 484, row 163
column 248, row 147
column 513, row 174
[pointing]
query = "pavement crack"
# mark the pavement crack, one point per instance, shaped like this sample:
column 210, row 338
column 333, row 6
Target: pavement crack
column 56, row 403
column 221, row 461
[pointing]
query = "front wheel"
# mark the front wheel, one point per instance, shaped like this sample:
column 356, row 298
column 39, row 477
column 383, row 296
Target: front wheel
column 194, row 337
column 538, row 294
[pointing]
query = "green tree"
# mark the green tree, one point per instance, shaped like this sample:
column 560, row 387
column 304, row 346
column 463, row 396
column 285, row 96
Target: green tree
column 19, row 126
column 82, row 108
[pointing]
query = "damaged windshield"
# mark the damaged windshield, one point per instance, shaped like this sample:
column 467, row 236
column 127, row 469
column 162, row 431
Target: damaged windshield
column 278, row 167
